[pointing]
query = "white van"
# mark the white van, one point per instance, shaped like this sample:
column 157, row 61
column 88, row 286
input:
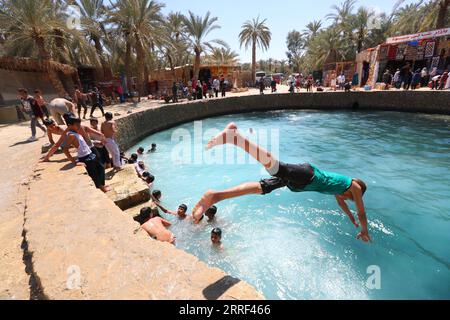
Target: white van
column 260, row 75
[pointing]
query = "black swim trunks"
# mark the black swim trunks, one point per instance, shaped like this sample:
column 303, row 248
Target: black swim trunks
column 294, row 176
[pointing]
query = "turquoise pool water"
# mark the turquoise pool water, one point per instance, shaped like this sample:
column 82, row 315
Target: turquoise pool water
column 299, row 245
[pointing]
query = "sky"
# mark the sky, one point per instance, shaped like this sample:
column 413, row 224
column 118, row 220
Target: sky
column 282, row 17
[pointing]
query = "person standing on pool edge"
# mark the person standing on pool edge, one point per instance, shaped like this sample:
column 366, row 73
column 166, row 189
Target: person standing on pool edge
column 297, row 177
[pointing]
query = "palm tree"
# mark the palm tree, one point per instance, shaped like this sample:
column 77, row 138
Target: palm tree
column 139, row 20
column 342, row 13
column 360, row 23
column 327, row 46
column 442, row 13
column 198, row 28
column 93, row 15
column 173, row 41
column 255, row 33
column 312, row 29
column 222, row 56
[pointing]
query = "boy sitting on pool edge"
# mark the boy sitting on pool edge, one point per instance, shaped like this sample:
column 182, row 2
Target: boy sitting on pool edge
column 297, row 177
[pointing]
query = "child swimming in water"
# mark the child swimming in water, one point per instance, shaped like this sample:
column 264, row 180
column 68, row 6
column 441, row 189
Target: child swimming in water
column 216, row 237
column 297, row 177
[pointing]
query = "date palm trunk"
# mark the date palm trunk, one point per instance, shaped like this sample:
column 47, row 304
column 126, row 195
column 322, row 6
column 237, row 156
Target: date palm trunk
column 254, row 61
column 197, row 63
column 442, row 15
column 99, row 50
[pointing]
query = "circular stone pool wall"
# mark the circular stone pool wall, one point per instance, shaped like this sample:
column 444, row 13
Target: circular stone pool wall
column 300, row 245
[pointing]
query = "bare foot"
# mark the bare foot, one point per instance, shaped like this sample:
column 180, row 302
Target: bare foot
column 221, row 138
column 204, row 204
column 105, row 189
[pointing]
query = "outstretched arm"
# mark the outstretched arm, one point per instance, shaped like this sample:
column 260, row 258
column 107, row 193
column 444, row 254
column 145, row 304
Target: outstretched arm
column 357, row 197
column 165, row 223
column 347, row 211
column 211, row 197
column 55, row 147
column 164, row 209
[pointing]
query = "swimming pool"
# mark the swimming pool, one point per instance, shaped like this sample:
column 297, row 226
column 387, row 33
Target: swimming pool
column 299, row 245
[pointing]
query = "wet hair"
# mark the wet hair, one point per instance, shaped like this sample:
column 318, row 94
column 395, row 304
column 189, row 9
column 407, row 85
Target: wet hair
column 141, row 150
column 212, row 210
column 144, row 215
column 217, row 231
column 156, row 193
column 134, row 156
column 183, row 206
column 153, row 145
column 150, row 178
column 362, row 185
column 108, row 116
column 145, row 174
column 48, row 122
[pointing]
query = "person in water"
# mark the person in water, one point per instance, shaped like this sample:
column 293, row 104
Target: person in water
column 297, row 177
column 156, row 227
column 211, row 213
column 181, row 212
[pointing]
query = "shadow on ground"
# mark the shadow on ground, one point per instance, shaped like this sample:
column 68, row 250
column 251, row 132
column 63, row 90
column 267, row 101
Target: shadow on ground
column 215, row 290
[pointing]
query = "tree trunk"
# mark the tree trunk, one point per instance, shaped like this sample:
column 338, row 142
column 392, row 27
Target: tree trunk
column 172, row 68
column 197, row 63
column 99, row 49
column 141, row 69
column 128, row 65
column 442, row 16
column 62, row 53
column 254, row 61
column 40, row 43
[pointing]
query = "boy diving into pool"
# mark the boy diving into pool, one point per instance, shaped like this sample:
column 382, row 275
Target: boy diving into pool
column 297, row 177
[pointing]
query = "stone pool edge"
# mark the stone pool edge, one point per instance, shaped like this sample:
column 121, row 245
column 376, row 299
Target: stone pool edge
column 136, row 126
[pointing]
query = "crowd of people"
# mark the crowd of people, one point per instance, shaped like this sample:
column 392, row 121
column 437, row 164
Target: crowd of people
column 408, row 79
column 150, row 217
column 97, row 150
column 198, row 89
column 37, row 108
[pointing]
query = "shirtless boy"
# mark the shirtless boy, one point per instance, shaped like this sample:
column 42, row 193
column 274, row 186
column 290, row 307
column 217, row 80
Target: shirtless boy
column 181, row 211
column 297, row 177
column 156, row 227
column 109, row 129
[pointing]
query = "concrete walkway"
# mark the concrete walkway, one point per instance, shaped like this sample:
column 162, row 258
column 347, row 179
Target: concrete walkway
column 16, row 166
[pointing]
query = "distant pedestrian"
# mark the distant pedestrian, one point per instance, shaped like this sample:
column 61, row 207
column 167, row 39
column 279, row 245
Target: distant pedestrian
column 416, row 79
column 31, row 108
column 443, row 80
column 216, row 86
column 97, row 101
column 223, row 86
column 387, row 79
column 175, row 92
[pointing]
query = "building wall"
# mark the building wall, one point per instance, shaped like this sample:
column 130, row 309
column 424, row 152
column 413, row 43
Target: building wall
column 10, row 81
